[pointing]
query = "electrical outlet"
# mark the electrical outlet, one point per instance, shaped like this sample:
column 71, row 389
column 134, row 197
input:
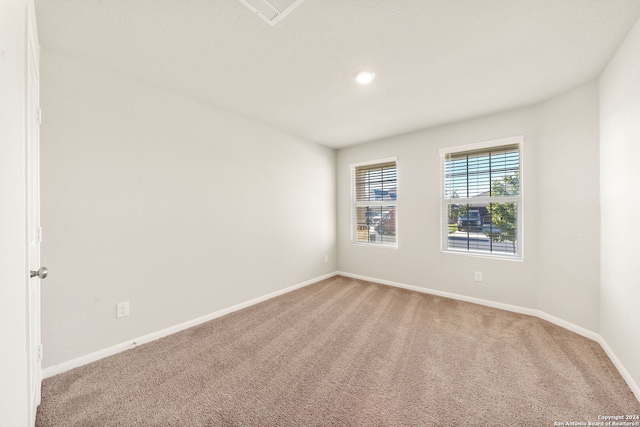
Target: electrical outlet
column 122, row 309
column 478, row 276
column 326, row 258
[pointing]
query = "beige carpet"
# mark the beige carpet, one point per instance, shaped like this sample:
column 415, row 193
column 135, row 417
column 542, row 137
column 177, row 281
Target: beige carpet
column 344, row 352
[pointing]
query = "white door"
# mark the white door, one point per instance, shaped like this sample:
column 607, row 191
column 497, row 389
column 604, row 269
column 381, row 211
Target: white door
column 34, row 231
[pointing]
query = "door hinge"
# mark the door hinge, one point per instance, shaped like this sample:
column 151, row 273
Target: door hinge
column 39, row 351
column 39, row 234
column 39, row 115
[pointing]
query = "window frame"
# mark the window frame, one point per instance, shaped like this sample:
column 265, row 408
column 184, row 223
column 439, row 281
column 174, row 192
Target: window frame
column 354, row 204
column 519, row 199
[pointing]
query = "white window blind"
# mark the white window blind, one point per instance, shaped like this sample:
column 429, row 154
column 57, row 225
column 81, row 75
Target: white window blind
column 482, row 200
column 373, row 203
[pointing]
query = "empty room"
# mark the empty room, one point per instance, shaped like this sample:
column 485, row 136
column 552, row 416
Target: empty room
column 320, row 213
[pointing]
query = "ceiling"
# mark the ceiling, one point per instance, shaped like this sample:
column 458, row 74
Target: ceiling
column 436, row 61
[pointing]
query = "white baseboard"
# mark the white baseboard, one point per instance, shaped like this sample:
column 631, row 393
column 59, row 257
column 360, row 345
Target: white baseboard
column 502, row 306
column 109, row 351
column 517, row 309
column 92, row 357
column 618, row 364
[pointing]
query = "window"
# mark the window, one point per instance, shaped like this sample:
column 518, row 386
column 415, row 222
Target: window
column 373, row 203
column 482, row 199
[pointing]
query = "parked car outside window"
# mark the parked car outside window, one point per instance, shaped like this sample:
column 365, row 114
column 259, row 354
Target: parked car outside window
column 387, row 224
column 373, row 216
column 470, row 221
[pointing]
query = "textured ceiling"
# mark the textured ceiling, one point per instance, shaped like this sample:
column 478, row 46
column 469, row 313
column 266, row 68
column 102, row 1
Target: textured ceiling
column 436, row 61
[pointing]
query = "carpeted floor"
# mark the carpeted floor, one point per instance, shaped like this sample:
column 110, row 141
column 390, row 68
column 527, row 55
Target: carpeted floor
column 344, row 352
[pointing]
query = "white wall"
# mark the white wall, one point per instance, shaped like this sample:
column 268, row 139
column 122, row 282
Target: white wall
column 546, row 279
column 177, row 207
column 568, row 207
column 620, row 203
column 418, row 260
column 14, row 390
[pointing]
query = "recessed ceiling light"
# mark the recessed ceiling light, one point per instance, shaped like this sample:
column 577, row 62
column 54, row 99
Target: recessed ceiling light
column 365, row 77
